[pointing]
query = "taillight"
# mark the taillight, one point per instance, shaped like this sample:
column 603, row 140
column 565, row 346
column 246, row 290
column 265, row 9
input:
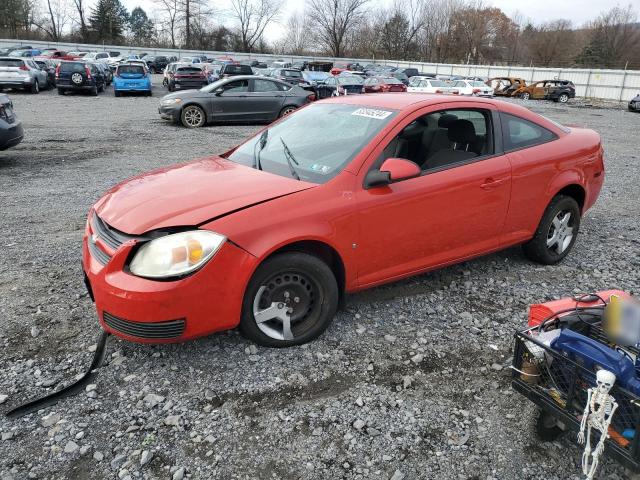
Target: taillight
column 86, row 69
column 341, row 90
column 438, row 91
column 58, row 71
column 24, row 67
column 311, row 97
column 476, row 90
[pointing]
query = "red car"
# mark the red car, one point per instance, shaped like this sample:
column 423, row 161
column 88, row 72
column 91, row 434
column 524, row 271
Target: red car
column 57, row 55
column 383, row 85
column 341, row 195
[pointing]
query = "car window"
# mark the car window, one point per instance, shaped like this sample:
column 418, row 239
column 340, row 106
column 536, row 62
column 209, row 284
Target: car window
column 520, row 133
column 305, row 133
column 292, row 73
column 102, row 55
column 350, row 80
column 330, row 81
column 71, row 67
column 237, row 69
column 260, row 85
column 130, row 69
column 6, row 62
column 443, row 139
column 236, row 86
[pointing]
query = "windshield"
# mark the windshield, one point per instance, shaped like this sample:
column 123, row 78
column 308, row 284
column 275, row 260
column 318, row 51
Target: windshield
column 292, row 73
column 306, row 134
column 212, row 86
column 350, row 80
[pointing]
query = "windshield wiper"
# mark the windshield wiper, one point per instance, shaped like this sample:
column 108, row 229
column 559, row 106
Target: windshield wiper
column 290, row 160
column 262, row 142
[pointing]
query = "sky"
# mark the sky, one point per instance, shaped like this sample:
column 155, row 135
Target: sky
column 538, row 11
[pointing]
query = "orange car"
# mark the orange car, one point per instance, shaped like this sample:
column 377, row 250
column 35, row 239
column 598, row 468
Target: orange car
column 506, row 86
column 556, row 90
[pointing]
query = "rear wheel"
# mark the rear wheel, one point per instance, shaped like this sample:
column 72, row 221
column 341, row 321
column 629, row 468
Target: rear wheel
column 193, row 116
column 60, row 91
column 94, row 91
column 35, row 88
column 563, row 98
column 556, row 233
column 287, row 110
column 290, row 300
column 547, row 427
column 116, row 93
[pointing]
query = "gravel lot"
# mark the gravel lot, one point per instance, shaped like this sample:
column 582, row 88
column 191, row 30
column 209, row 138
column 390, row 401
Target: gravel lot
column 409, row 382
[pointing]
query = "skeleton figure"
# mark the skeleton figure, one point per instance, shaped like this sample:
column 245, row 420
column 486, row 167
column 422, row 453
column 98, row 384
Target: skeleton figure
column 597, row 414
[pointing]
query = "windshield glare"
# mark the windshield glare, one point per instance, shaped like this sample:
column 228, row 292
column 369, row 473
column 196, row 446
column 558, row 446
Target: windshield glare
column 349, row 128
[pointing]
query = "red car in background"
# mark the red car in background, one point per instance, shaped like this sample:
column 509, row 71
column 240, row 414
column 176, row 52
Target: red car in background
column 383, row 85
column 341, row 195
column 57, row 55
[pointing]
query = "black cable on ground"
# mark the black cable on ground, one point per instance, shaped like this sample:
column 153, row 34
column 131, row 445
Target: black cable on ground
column 73, row 389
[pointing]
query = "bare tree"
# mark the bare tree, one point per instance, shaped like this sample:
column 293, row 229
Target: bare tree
column 54, row 20
column 80, row 8
column 172, row 13
column 253, row 16
column 334, row 20
column 297, row 40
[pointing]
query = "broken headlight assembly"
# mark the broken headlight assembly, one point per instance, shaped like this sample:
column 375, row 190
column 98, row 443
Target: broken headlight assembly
column 176, row 254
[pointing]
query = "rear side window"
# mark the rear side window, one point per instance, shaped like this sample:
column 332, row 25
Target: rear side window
column 6, row 62
column 265, row 86
column 519, row 133
column 71, row 67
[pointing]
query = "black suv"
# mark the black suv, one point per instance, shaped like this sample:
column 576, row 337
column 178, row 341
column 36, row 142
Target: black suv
column 233, row 69
column 82, row 76
column 156, row 64
column 561, row 90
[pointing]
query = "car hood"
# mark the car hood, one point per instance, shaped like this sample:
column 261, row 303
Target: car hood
column 185, row 94
column 190, row 194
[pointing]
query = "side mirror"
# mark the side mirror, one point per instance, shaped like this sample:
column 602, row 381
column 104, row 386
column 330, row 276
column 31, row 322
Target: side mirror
column 392, row 170
column 218, row 91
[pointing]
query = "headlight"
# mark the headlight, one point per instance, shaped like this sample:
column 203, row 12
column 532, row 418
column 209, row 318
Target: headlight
column 176, row 254
column 171, row 101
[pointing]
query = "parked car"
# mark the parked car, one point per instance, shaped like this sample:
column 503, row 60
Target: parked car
column 156, row 63
column 334, row 86
column 414, row 81
column 280, row 64
column 234, row 69
column 290, row 75
column 430, row 85
column 314, row 78
column 400, row 76
column 556, row 90
column 634, row 104
column 236, row 99
column 411, row 72
column 49, row 67
column 106, row 71
column 319, row 66
column 168, row 72
column 506, row 86
column 11, row 131
column 6, row 51
column 58, row 55
column 383, row 84
column 473, row 88
column 25, row 53
column 21, row 73
column 190, row 60
column 343, row 195
column 98, row 56
column 187, row 76
column 79, row 76
column 131, row 77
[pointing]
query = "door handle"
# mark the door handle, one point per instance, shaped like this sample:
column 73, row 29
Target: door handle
column 490, row 183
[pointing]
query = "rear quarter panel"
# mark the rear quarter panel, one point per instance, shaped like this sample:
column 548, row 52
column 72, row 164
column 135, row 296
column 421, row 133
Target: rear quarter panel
column 540, row 172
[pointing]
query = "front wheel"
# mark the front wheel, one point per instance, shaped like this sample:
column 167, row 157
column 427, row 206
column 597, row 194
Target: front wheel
column 563, row 98
column 193, row 117
column 525, row 96
column 556, row 233
column 290, row 300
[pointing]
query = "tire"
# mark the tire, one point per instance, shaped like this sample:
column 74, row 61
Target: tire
column 192, row 116
column 60, row 91
column 170, row 87
column 547, row 428
column 101, row 89
column 287, row 110
column 563, row 98
column 299, row 280
column 116, row 93
column 556, row 234
column 35, row 88
column 525, row 96
column 94, row 91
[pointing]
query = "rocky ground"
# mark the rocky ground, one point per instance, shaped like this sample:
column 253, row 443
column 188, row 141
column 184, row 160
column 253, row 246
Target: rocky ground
column 409, row 382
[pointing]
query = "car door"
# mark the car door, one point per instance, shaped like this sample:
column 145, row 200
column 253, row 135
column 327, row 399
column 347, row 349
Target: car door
column 538, row 90
column 451, row 212
column 229, row 101
column 264, row 100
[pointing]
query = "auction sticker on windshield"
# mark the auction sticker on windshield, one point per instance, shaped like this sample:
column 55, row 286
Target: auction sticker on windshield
column 372, row 113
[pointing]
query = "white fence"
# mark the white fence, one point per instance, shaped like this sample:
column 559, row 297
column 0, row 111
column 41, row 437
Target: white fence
column 619, row 85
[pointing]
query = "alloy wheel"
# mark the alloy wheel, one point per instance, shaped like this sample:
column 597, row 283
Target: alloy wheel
column 286, row 306
column 193, row 117
column 286, row 111
column 525, row 96
column 564, row 98
column 560, row 232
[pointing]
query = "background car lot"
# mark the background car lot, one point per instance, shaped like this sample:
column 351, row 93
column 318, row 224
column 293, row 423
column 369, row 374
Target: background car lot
column 409, row 377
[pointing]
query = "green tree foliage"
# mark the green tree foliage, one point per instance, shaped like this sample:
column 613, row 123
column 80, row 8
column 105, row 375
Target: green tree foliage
column 141, row 26
column 108, row 21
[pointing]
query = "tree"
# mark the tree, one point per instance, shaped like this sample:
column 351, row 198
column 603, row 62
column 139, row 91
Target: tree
column 252, row 17
column 108, row 20
column 296, row 41
column 334, row 20
column 141, row 27
column 548, row 43
column 172, row 12
column 80, row 8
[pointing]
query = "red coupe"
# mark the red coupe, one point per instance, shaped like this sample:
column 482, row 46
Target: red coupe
column 341, row 195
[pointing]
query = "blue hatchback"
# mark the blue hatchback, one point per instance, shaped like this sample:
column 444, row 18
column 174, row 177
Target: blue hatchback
column 131, row 77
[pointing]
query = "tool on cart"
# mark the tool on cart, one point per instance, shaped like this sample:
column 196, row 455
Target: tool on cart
column 573, row 349
column 73, row 389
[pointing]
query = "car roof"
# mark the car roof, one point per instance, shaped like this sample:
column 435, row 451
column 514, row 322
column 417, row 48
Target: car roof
column 404, row 101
